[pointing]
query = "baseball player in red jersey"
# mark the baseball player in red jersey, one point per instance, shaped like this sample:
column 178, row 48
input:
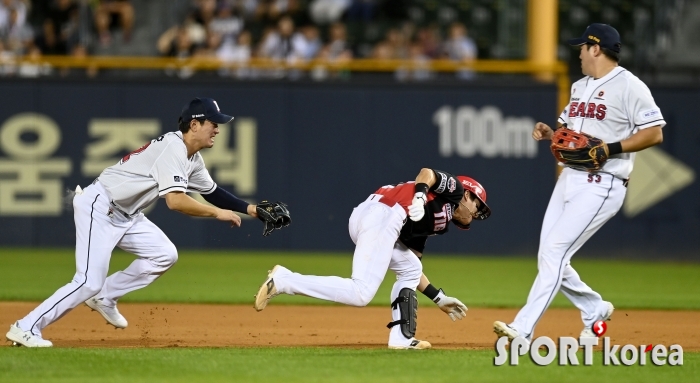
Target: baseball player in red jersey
column 386, row 239
column 108, row 214
column 613, row 105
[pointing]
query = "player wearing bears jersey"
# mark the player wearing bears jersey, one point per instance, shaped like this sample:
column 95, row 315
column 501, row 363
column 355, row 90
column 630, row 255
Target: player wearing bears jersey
column 613, row 105
column 386, row 239
column 108, row 214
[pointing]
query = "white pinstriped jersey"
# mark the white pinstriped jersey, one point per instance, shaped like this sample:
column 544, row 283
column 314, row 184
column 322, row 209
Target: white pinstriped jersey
column 612, row 108
column 155, row 169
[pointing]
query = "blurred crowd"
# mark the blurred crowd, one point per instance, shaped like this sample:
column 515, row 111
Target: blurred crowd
column 59, row 27
column 238, row 30
column 233, row 31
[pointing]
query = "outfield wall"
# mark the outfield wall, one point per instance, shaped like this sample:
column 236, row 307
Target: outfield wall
column 323, row 149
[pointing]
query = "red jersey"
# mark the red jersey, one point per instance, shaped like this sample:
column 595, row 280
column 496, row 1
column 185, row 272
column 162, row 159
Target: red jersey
column 442, row 200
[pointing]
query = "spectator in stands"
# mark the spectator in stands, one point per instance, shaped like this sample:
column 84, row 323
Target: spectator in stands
column 279, row 43
column 177, row 43
column 211, row 45
column 459, row 47
column 397, row 44
column 182, row 40
column 429, row 40
column 307, row 42
column 382, row 51
column 337, row 48
column 420, row 69
column 236, row 56
column 60, row 28
column 226, row 23
column 328, row 11
column 112, row 13
column 19, row 6
column 238, row 52
column 15, row 35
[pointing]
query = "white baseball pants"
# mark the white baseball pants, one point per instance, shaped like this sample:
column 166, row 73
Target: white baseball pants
column 98, row 230
column 374, row 228
column 579, row 206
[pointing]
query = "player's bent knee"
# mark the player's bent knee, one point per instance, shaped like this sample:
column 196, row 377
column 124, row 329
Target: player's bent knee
column 363, row 295
column 169, row 256
column 363, row 300
column 360, row 298
column 172, row 255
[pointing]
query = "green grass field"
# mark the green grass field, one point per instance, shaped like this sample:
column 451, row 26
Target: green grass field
column 308, row 365
column 233, row 277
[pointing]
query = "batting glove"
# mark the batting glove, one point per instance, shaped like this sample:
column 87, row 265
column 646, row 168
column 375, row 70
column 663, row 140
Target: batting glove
column 416, row 210
column 451, row 306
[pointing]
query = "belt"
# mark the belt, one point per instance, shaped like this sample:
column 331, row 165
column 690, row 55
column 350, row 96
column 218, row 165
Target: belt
column 120, row 211
column 391, row 203
column 114, row 206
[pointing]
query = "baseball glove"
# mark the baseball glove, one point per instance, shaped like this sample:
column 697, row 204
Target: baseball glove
column 579, row 150
column 274, row 215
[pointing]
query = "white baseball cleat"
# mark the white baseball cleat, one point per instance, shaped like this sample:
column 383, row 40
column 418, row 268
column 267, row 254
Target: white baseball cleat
column 502, row 329
column 111, row 314
column 414, row 345
column 587, row 332
column 19, row 337
column 268, row 290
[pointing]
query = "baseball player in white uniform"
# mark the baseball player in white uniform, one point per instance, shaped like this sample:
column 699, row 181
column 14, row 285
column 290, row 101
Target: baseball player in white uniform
column 386, row 239
column 108, row 214
column 612, row 104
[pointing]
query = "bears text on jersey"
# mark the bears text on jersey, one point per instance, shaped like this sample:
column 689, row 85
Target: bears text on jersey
column 587, row 110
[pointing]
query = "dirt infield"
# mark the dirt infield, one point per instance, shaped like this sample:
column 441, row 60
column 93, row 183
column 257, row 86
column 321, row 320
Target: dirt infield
column 174, row 325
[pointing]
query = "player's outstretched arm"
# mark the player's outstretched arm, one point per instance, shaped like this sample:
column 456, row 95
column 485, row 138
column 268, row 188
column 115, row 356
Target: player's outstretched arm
column 181, row 202
column 451, row 306
column 222, row 199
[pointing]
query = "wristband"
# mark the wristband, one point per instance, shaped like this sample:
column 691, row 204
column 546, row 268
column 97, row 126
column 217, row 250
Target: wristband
column 614, row 148
column 222, row 199
column 422, row 188
column 431, row 292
